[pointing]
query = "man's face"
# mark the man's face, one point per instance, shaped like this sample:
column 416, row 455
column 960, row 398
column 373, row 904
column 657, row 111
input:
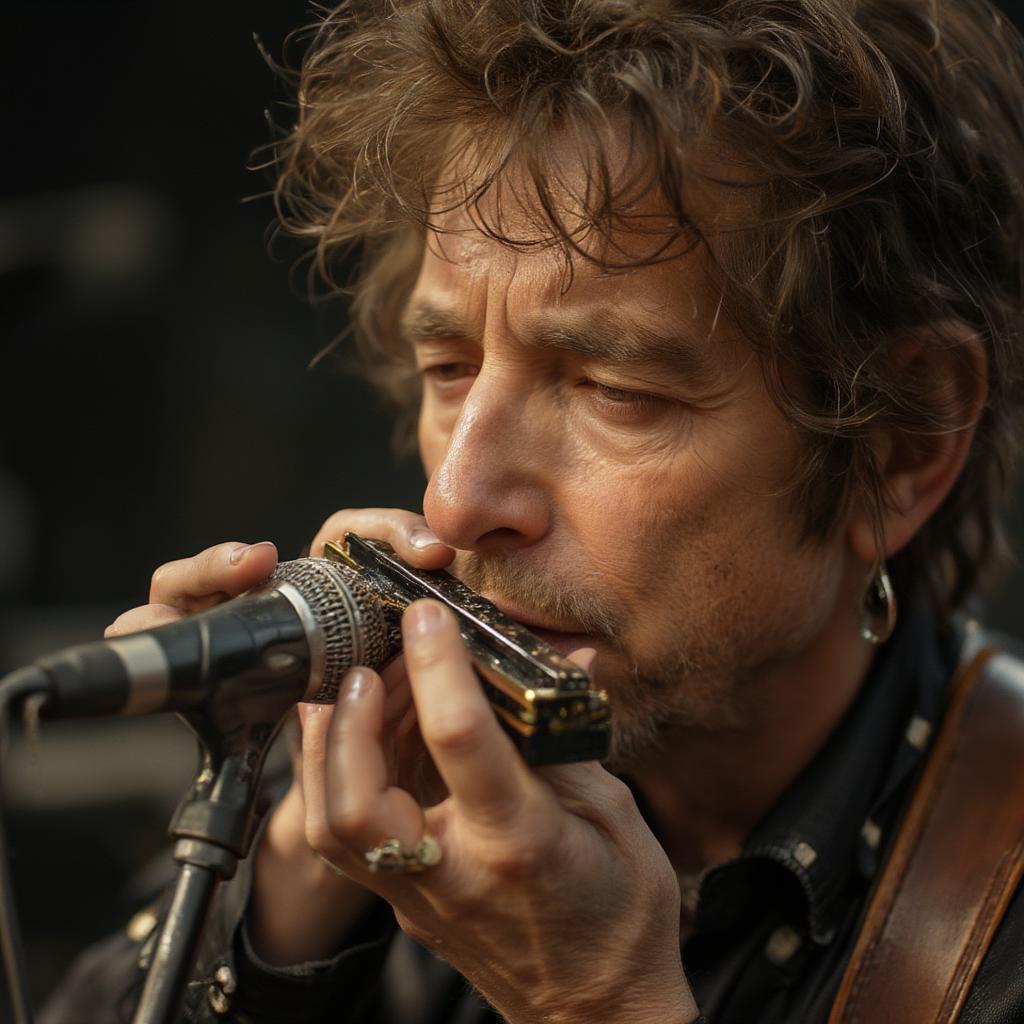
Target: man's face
column 608, row 464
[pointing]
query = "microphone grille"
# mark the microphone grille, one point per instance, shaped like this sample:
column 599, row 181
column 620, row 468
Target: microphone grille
column 354, row 626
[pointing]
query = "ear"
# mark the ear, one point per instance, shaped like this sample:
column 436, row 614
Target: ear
column 947, row 368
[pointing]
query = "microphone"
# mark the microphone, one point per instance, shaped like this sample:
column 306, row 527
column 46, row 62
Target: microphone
column 297, row 634
column 234, row 670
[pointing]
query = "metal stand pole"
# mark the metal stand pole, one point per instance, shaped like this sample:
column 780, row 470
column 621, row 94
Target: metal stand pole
column 176, row 946
column 214, row 826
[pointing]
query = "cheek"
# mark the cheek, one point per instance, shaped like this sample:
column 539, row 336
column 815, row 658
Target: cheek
column 628, row 521
column 679, row 542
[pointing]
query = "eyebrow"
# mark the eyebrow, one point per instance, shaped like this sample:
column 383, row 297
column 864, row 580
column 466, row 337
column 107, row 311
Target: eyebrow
column 423, row 321
column 603, row 335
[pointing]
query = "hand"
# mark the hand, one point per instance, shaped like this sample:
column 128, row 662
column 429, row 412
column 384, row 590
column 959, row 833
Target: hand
column 300, row 909
column 288, row 875
column 194, row 584
column 552, row 897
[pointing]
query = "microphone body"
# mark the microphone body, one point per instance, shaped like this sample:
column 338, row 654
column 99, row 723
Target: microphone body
column 300, row 632
column 237, row 667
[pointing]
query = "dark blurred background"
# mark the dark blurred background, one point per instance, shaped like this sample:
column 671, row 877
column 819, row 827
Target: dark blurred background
column 156, row 394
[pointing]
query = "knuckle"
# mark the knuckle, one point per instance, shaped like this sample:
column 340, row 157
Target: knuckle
column 211, row 565
column 351, row 819
column 455, row 733
column 620, row 796
column 159, row 577
column 665, row 888
column 333, row 522
column 133, row 621
column 426, row 653
column 382, row 523
column 319, row 837
column 516, row 860
column 337, row 518
column 333, row 528
column 211, row 572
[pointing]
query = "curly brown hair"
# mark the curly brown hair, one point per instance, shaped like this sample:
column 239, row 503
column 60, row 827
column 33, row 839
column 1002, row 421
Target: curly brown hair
column 883, row 148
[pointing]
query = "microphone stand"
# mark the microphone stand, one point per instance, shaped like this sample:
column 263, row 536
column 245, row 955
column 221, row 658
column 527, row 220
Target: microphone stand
column 215, row 824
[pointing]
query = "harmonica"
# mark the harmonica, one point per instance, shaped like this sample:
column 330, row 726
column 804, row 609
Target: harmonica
column 544, row 701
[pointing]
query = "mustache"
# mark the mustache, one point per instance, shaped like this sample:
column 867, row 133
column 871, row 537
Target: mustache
column 565, row 602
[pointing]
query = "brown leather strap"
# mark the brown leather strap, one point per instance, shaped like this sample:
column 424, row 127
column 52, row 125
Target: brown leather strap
column 955, row 863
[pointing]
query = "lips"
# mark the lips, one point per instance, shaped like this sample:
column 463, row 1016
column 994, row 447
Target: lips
column 565, row 642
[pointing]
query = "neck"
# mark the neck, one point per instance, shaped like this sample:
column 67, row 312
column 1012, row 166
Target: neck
column 708, row 789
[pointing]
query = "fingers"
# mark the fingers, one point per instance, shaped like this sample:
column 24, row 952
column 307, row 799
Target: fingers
column 225, row 570
column 359, row 795
column 350, row 804
column 316, row 719
column 145, row 617
column 398, row 702
column 194, row 584
column 406, row 532
column 476, row 759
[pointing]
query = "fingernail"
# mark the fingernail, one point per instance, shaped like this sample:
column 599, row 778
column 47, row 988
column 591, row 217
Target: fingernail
column 422, row 537
column 357, row 684
column 424, row 617
column 239, row 553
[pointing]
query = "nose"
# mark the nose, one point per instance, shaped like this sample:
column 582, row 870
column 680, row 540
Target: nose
column 491, row 490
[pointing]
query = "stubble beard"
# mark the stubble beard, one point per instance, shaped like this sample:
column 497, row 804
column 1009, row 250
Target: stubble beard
column 652, row 698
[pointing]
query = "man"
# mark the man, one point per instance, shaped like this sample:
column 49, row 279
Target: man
column 709, row 314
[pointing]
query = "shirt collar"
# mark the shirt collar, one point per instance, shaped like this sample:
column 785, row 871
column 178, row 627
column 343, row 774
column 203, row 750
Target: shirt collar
column 828, row 828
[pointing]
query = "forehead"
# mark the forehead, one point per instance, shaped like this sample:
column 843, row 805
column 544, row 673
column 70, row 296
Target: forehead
column 467, row 271
column 502, row 250
column 471, row 286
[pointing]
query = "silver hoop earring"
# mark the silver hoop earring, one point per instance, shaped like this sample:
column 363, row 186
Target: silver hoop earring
column 878, row 614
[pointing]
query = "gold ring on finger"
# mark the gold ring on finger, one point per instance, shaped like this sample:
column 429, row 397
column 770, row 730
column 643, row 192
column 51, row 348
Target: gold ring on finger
column 391, row 857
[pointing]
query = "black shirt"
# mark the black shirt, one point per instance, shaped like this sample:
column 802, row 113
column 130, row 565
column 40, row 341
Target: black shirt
column 773, row 929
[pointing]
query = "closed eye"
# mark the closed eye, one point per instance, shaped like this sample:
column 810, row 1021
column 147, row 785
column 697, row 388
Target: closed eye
column 449, row 371
column 622, row 403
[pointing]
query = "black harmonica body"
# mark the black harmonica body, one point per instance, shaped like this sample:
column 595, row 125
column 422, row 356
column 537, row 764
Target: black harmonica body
column 544, row 701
